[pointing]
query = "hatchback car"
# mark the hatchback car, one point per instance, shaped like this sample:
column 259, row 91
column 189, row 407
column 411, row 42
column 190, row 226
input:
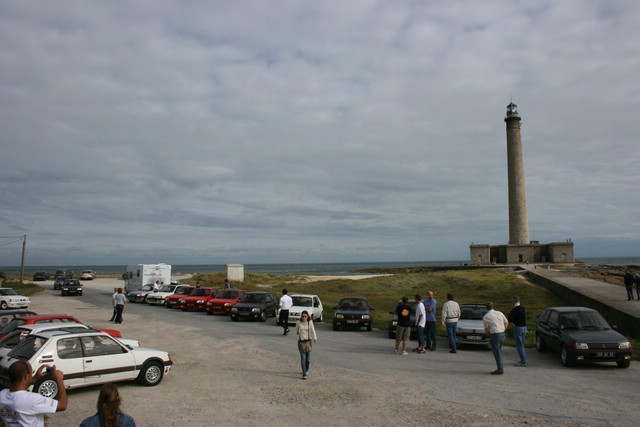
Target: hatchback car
column 353, row 312
column 57, row 284
column 87, row 275
column 172, row 301
column 305, row 302
column 224, row 301
column 71, row 287
column 140, row 295
column 470, row 328
column 197, row 300
column 64, row 273
column 9, row 299
column 33, row 319
column 87, row 357
column 581, row 334
column 255, row 305
column 393, row 323
column 40, row 276
column 158, row 298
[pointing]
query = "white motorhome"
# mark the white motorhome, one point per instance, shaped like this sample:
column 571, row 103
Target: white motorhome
column 138, row 275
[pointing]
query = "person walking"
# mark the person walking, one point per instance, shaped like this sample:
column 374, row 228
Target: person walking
column 495, row 323
column 109, row 412
column 119, row 300
column 430, row 306
column 19, row 406
column 285, row 304
column 638, row 286
column 517, row 317
column 629, row 280
column 421, row 321
column 403, row 326
column 113, row 303
column 306, row 335
column 450, row 316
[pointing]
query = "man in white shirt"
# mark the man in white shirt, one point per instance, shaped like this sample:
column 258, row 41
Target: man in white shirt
column 19, row 407
column 450, row 316
column 495, row 323
column 421, row 321
column 285, row 304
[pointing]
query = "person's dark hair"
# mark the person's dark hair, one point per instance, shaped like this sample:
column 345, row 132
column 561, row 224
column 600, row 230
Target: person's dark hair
column 489, row 306
column 405, row 300
column 284, row 291
column 18, row 370
column 450, row 297
column 109, row 405
column 307, row 313
column 418, row 297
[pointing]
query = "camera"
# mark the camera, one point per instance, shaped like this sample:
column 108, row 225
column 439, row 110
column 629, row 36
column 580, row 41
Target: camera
column 49, row 370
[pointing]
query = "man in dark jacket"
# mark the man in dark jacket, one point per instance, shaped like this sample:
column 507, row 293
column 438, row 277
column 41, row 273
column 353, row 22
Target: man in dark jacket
column 518, row 318
column 629, row 280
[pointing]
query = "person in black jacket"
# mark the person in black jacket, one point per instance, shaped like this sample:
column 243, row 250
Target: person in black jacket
column 629, row 280
column 518, row 318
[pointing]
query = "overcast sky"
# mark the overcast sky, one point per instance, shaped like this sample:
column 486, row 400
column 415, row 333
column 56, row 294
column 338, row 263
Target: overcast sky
column 293, row 131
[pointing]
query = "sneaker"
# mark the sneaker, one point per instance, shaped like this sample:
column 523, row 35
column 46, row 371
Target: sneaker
column 524, row 365
column 395, row 351
column 304, row 377
column 422, row 351
column 404, row 353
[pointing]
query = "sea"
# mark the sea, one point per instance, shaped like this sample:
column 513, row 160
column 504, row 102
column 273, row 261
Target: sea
column 326, row 269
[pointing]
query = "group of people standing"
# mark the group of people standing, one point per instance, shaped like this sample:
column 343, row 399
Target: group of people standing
column 629, row 281
column 495, row 324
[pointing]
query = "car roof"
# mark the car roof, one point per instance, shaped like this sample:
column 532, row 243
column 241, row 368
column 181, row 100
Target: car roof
column 363, row 298
column 46, row 326
column 303, row 295
column 474, row 305
column 569, row 309
column 45, row 316
column 72, row 332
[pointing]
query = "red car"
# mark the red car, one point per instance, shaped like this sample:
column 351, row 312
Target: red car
column 197, row 300
column 174, row 300
column 31, row 319
column 224, row 301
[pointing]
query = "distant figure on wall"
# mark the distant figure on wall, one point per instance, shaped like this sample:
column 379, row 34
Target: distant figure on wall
column 629, row 281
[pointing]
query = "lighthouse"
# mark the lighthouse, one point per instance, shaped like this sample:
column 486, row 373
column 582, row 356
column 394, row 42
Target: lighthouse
column 518, row 218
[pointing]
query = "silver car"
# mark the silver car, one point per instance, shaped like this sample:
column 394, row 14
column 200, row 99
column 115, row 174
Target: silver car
column 470, row 326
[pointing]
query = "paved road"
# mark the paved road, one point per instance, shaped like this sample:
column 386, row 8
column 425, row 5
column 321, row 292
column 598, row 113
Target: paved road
column 230, row 371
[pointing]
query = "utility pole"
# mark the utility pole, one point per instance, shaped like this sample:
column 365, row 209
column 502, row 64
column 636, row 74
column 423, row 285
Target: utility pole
column 24, row 250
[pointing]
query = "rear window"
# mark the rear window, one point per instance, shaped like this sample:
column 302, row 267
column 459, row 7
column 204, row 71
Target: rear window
column 11, row 326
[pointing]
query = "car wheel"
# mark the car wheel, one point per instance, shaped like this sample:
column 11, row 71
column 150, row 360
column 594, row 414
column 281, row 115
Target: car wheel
column 391, row 334
column 151, row 374
column 235, row 319
column 540, row 344
column 567, row 358
column 209, row 313
column 624, row 364
column 321, row 318
column 369, row 327
column 263, row 316
column 4, row 305
column 335, row 326
column 46, row 387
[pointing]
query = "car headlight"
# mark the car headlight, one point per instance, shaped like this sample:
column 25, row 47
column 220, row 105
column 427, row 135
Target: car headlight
column 339, row 316
column 394, row 323
column 234, row 309
column 227, row 304
column 200, row 301
column 182, row 301
column 366, row 316
column 624, row 345
column 581, row 346
column 256, row 309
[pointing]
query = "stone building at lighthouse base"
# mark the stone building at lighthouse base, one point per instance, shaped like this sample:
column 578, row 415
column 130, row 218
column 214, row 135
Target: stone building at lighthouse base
column 534, row 252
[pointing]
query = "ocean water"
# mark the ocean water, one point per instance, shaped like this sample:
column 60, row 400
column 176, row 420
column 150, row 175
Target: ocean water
column 331, row 269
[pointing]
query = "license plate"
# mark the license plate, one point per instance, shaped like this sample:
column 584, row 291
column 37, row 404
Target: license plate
column 474, row 337
column 604, row 354
column 242, row 313
column 352, row 321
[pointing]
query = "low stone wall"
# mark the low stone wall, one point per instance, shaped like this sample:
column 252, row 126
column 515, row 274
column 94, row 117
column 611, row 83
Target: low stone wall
column 625, row 323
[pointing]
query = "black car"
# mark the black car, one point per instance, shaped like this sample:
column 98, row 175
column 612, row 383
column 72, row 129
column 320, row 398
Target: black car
column 57, row 285
column 64, row 273
column 255, row 305
column 353, row 311
column 40, row 276
column 71, row 287
column 393, row 323
column 581, row 334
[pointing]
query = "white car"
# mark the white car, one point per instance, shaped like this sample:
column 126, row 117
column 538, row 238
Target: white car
column 87, row 357
column 87, row 275
column 9, row 299
column 157, row 298
column 310, row 303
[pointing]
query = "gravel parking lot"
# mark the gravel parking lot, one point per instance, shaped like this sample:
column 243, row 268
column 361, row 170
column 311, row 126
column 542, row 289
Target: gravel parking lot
column 236, row 373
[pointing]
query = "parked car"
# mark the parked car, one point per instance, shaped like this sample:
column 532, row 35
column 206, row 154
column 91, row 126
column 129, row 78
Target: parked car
column 9, row 299
column 158, row 298
column 57, row 284
column 393, row 323
column 174, row 300
column 7, row 316
column 64, row 273
column 86, row 357
column 32, row 319
column 141, row 294
column 197, row 300
column 71, row 287
column 255, row 305
column 224, row 301
column 581, row 334
column 40, row 276
column 353, row 311
column 470, row 328
column 87, row 275
column 304, row 302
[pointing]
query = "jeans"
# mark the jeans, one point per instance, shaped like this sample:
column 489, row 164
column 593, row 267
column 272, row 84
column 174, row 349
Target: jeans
column 119, row 308
column 431, row 335
column 304, row 358
column 519, row 333
column 420, row 336
column 496, row 345
column 629, row 292
column 638, row 290
column 113, row 316
column 451, row 334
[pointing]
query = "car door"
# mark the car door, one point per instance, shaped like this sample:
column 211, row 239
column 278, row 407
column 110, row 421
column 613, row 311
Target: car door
column 105, row 360
column 553, row 331
column 69, row 359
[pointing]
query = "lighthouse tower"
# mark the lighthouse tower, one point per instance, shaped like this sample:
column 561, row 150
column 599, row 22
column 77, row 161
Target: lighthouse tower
column 518, row 219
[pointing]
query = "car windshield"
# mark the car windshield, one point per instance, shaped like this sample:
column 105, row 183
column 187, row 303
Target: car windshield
column 254, row 298
column 87, row 272
column 27, row 348
column 302, row 301
column 228, row 294
column 7, row 291
column 354, row 304
column 591, row 320
column 201, row 292
column 167, row 288
column 184, row 291
column 475, row 312
column 147, row 288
